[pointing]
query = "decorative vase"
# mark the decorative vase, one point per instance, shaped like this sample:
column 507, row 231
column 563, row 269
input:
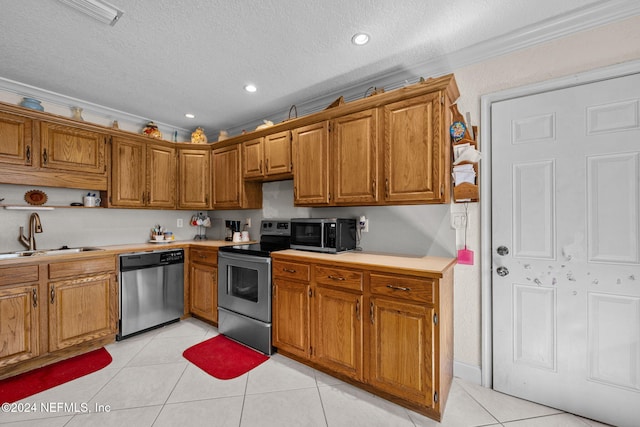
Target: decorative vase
column 152, row 130
column 198, row 137
column 76, row 113
column 32, row 103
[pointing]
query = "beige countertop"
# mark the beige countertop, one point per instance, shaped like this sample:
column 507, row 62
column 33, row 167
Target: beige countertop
column 426, row 265
column 117, row 249
column 422, row 265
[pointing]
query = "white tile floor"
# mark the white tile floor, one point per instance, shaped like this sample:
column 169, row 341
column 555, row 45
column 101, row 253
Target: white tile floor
column 149, row 383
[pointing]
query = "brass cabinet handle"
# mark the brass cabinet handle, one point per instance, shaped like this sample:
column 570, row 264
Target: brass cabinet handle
column 386, row 187
column 288, row 270
column 373, row 187
column 34, row 295
column 371, row 312
column 45, row 156
column 336, row 278
column 398, row 288
column 266, row 165
column 358, row 308
column 260, row 166
column 28, row 154
column 310, row 292
column 53, row 294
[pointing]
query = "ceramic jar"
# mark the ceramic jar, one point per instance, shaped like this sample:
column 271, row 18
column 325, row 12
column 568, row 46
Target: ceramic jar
column 32, row 103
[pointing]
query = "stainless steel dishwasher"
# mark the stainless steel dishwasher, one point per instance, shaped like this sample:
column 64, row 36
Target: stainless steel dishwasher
column 151, row 290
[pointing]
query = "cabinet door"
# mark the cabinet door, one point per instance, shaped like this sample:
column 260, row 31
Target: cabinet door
column 401, row 349
column 414, row 151
column 311, row 159
column 19, row 324
column 337, row 338
column 161, row 176
column 204, row 291
column 195, row 179
column 127, row 173
column 277, row 153
column 291, row 316
column 16, row 146
column 81, row 310
column 227, row 185
column 252, row 158
column 355, row 158
column 72, row 149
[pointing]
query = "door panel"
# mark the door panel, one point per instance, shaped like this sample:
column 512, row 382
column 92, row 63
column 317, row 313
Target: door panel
column 566, row 200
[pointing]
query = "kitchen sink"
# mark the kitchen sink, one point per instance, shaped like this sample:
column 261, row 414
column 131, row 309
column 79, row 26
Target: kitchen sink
column 60, row 251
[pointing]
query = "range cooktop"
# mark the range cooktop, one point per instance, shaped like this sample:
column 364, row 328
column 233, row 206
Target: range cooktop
column 275, row 235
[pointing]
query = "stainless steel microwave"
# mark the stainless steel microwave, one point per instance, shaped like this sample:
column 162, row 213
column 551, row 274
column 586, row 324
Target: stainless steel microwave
column 329, row 235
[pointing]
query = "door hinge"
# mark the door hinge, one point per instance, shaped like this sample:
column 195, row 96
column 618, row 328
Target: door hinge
column 442, row 100
column 435, row 397
column 310, row 351
column 435, row 318
column 329, row 127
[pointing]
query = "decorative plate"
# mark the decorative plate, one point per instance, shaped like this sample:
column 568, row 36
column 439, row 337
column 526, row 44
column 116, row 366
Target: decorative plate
column 35, row 197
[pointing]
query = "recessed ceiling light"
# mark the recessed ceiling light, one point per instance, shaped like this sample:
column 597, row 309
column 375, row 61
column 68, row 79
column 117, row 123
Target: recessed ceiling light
column 190, row 116
column 250, row 88
column 360, row 39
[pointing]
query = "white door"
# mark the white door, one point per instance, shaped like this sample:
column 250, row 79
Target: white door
column 565, row 205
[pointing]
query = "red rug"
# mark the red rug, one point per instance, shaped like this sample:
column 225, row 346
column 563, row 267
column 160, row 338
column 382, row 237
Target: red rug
column 24, row 385
column 223, row 358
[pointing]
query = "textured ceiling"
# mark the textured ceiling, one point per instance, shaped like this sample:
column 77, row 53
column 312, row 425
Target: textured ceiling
column 168, row 57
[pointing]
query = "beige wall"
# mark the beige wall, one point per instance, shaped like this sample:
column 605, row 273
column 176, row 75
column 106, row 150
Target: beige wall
column 607, row 45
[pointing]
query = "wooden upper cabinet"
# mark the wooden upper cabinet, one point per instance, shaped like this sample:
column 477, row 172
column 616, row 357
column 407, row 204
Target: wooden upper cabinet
column 143, row 174
column 277, row 153
column 128, row 173
column 16, row 145
column 195, row 178
column 227, row 190
column 310, row 147
column 415, row 154
column 161, row 176
column 72, row 149
column 253, row 158
column 267, row 157
column 355, row 148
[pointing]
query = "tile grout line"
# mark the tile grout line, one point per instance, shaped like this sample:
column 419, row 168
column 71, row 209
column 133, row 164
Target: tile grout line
column 324, row 412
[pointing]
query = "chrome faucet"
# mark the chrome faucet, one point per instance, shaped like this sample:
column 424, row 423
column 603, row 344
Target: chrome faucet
column 35, row 226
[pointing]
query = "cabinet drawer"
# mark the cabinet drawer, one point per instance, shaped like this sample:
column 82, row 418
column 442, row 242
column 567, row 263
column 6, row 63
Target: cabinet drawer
column 342, row 278
column 20, row 274
column 81, row 267
column 204, row 256
column 412, row 288
column 291, row 270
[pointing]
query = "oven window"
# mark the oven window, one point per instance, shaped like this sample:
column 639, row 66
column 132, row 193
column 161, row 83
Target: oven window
column 243, row 283
column 307, row 234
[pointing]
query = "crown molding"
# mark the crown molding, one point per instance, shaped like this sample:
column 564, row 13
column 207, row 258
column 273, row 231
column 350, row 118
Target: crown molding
column 558, row 27
column 25, row 90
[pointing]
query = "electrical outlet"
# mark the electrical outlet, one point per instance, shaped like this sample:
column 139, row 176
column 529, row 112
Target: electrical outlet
column 458, row 220
column 179, row 223
column 363, row 224
column 247, row 222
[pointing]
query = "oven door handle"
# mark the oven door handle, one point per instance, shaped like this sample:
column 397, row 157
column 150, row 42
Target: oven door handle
column 243, row 257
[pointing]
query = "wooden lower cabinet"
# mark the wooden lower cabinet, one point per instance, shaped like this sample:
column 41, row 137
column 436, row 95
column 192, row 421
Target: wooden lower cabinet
column 81, row 310
column 401, row 339
column 291, row 316
column 337, row 342
column 203, row 283
column 204, row 291
column 19, row 324
column 386, row 331
column 56, row 310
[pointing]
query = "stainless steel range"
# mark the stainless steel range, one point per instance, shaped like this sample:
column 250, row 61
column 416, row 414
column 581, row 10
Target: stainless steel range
column 244, row 286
